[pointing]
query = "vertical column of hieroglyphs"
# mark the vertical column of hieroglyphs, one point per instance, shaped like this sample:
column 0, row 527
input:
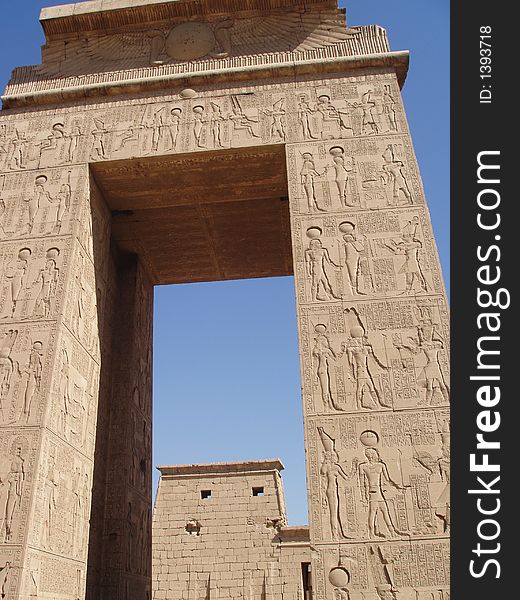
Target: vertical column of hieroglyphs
column 373, row 328
column 49, row 355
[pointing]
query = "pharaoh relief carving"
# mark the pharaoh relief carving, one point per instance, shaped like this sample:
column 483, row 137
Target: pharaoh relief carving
column 391, row 571
column 53, row 141
column 382, row 477
column 24, row 373
column 188, row 125
column 31, row 278
column 381, row 254
column 361, row 174
column 347, row 110
column 17, row 455
column 38, row 205
column 233, row 120
column 375, row 355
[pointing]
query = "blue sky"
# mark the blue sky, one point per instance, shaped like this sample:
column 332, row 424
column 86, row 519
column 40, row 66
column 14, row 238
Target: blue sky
column 226, row 371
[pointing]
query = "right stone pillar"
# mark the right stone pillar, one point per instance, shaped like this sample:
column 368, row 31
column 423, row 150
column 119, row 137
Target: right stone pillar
column 374, row 345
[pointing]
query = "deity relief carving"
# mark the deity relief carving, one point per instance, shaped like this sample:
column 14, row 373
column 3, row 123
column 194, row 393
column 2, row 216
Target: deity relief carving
column 383, row 476
column 191, row 41
column 373, row 254
column 344, row 111
column 57, row 142
column 23, row 369
column 368, row 173
column 30, row 277
column 376, row 356
column 37, row 205
column 16, row 465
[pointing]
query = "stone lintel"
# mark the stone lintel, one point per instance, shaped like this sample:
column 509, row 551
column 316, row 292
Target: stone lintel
column 112, row 14
column 222, row 468
column 299, row 533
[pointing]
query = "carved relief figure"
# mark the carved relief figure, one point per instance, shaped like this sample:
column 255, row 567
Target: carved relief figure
column 430, row 345
column 50, row 505
column 394, row 177
column 80, row 517
column 200, row 126
column 389, row 109
column 52, row 141
column 411, row 247
column 4, row 574
column 305, row 113
column 374, row 477
column 64, row 394
column 356, row 260
column 308, row 175
column 15, row 274
column 47, row 280
column 74, row 137
column 34, row 201
column 80, row 301
column 443, row 501
column 317, row 258
column 174, row 127
column 342, row 171
column 241, row 121
column 3, row 207
column 98, row 151
column 33, row 372
column 329, row 118
column 14, row 484
column 215, row 123
column 322, row 352
column 17, row 152
column 132, row 134
column 277, row 116
column 368, row 124
column 62, row 202
column 441, row 467
column 359, row 351
column 7, row 368
column 158, row 128
column 331, row 472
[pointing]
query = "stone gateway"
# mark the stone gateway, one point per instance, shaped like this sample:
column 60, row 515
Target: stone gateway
column 174, row 141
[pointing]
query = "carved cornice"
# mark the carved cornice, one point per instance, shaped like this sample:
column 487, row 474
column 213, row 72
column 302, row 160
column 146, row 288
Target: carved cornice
column 117, row 47
column 102, row 15
column 223, row 468
column 26, row 92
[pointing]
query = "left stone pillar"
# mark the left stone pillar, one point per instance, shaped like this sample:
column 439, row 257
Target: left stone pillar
column 53, row 284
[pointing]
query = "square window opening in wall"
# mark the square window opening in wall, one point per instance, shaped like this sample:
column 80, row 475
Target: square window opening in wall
column 258, row 491
column 205, row 494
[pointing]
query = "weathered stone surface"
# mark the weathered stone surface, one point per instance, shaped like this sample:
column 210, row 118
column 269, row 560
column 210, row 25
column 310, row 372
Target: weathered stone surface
column 283, row 149
column 219, row 531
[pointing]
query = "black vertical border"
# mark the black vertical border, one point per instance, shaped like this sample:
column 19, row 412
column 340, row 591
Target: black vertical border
column 477, row 127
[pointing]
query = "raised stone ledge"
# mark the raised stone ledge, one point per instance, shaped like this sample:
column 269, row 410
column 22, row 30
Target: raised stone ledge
column 110, row 14
column 222, row 468
column 299, row 533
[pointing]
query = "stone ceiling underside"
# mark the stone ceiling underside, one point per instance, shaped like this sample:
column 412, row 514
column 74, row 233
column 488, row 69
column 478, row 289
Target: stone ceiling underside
column 205, row 217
